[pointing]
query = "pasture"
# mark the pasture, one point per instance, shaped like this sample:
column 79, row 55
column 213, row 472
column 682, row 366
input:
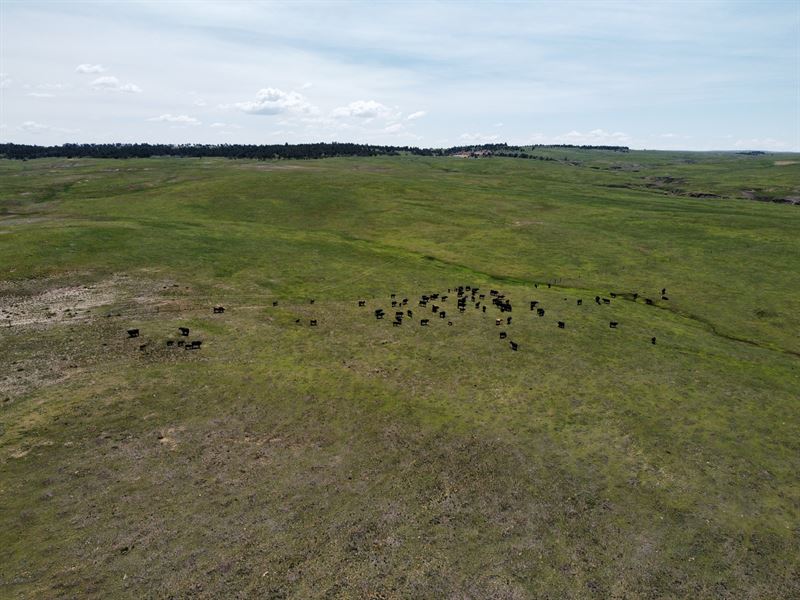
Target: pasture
column 354, row 458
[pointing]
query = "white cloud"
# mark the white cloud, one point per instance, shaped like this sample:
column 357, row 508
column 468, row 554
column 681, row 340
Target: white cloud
column 112, row 84
column 416, row 115
column 179, row 119
column 761, row 144
column 595, row 137
column 272, row 101
column 40, row 95
column 393, row 128
column 33, row 127
column 365, row 109
column 219, row 125
column 87, row 68
column 479, row 138
column 5, row 80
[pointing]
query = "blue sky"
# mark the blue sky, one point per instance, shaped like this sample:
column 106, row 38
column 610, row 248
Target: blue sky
column 671, row 75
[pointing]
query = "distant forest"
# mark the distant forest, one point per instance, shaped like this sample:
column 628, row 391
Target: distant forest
column 268, row 152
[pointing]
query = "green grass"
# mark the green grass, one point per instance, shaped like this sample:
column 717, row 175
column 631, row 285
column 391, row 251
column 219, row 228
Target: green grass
column 356, row 459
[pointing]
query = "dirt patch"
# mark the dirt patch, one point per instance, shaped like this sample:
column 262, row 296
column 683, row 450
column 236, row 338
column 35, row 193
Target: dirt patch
column 525, row 223
column 55, row 305
column 783, row 163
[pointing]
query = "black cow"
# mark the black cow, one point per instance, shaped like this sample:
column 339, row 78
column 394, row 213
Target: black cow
column 612, row 294
column 606, row 301
column 613, row 324
column 514, row 345
column 664, row 297
column 580, row 301
column 503, row 335
column 311, row 301
column 508, row 321
column 181, row 342
column 142, row 347
column 635, row 296
column 170, row 342
column 450, row 323
column 405, row 301
column 313, row 323
column 424, row 322
column 362, row 302
column 184, row 330
column 379, row 313
column 297, row 321
column 484, row 308
column 132, row 333
column 434, row 308
column 444, row 298
column 498, row 321
column 462, row 309
column 410, row 313
column 561, row 325
column 394, row 303
column 653, row 341
column 195, row 345
column 663, row 291
column 396, row 323
column 534, row 303
column 597, row 299
column 219, row 309
column 442, row 314
column 394, row 295
column 540, row 312
column 648, row 302
column 274, row 303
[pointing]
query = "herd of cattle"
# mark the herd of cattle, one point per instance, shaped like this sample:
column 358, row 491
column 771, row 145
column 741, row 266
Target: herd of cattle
column 466, row 296
column 470, row 296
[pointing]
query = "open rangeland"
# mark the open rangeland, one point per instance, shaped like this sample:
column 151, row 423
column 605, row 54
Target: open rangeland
column 354, row 458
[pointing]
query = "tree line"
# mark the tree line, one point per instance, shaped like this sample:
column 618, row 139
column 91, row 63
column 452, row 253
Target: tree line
column 260, row 151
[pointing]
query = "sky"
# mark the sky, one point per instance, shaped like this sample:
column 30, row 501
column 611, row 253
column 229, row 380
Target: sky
column 688, row 75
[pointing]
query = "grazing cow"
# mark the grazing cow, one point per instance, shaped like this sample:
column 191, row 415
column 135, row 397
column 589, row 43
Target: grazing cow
column 132, row 333
column 410, row 312
column 274, row 303
column 313, row 323
column 396, row 323
column 184, row 330
column 450, row 323
column 142, row 347
column 181, row 342
column 534, row 303
column 311, row 301
column 606, row 300
column 424, row 322
column 462, row 309
column 219, row 309
column 498, row 321
column 444, row 298
column 540, row 312
column 399, row 314
column 393, row 295
column 434, row 308
column 297, row 321
column 648, row 301
column 664, row 297
column 613, row 324
column 580, row 301
column 434, row 296
column 442, row 314
column 653, row 341
column 548, row 286
column 195, row 345
column 508, row 321
column 477, row 305
column 362, row 302
column 493, row 292
column 170, row 342
column 561, row 325
column 405, row 301
column 597, row 299
column 514, row 345
column 394, row 303
column 379, row 313
column 484, row 308
column 467, row 288
column 635, row 296
column 536, row 285
column 503, row 335
column 663, row 291
column 612, row 294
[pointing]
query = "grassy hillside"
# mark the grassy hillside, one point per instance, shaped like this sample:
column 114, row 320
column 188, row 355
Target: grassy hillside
column 358, row 459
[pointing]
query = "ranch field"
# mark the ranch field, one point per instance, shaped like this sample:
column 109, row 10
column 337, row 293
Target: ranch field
column 356, row 459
